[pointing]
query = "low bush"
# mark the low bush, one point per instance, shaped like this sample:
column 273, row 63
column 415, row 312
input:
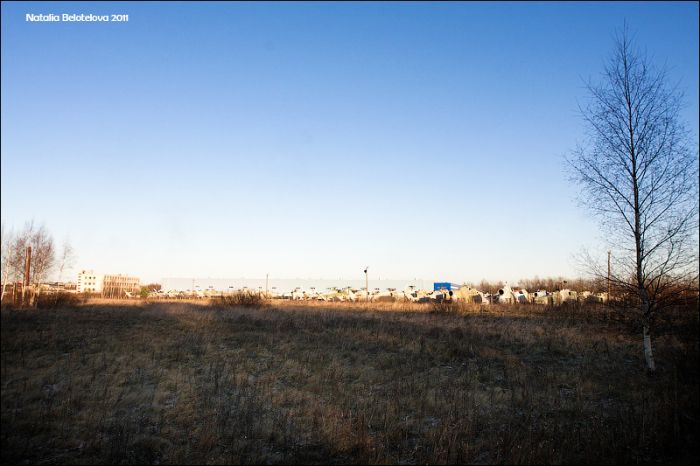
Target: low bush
column 57, row 300
column 241, row 299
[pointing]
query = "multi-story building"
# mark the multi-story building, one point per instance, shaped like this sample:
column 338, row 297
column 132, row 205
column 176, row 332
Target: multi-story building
column 109, row 285
column 115, row 286
column 89, row 282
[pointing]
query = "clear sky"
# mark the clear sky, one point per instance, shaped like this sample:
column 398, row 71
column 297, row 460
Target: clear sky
column 313, row 139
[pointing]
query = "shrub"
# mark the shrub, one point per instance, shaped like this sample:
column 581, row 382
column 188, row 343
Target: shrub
column 241, row 299
column 57, row 300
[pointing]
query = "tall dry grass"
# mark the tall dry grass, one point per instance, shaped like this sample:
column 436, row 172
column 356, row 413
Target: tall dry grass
column 240, row 299
column 342, row 383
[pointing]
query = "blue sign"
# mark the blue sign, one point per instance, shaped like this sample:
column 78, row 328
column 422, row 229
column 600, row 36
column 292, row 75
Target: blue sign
column 442, row 286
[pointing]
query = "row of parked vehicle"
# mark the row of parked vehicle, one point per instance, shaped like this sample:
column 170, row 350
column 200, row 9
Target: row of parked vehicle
column 464, row 293
column 508, row 295
column 505, row 295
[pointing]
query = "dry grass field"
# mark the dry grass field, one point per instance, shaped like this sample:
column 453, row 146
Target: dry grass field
column 188, row 382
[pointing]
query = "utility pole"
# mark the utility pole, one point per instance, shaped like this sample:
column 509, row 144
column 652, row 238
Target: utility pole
column 267, row 276
column 608, row 276
column 367, row 282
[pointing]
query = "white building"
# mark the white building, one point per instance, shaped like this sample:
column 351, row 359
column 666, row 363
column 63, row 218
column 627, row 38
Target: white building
column 89, row 282
column 110, row 285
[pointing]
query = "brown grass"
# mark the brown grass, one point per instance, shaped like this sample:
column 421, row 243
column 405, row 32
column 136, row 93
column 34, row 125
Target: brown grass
column 343, row 383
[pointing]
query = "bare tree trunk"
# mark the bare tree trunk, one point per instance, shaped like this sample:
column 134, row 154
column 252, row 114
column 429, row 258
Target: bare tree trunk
column 648, row 354
column 5, row 276
column 39, row 290
column 34, row 294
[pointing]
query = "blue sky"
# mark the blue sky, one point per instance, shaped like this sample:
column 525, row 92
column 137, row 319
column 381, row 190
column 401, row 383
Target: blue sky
column 309, row 140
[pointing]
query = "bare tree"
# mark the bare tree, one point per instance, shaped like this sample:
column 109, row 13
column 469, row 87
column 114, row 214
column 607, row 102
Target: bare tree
column 6, row 241
column 66, row 259
column 638, row 173
column 43, row 253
